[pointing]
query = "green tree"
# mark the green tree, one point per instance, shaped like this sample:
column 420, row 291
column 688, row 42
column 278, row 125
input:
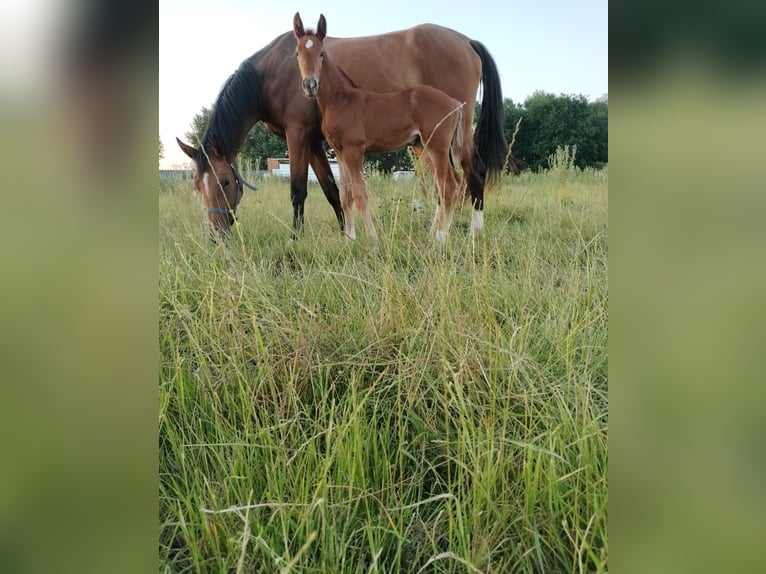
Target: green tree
column 556, row 121
column 599, row 130
column 388, row 162
column 198, row 126
column 259, row 145
column 551, row 121
column 511, row 114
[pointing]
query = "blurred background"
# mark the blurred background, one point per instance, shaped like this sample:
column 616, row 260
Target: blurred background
column 78, row 261
column 688, row 95
column 78, row 256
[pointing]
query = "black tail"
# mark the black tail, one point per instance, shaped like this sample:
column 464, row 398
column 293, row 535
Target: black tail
column 489, row 138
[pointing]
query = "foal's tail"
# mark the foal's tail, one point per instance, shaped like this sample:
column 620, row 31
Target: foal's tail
column 489, row 137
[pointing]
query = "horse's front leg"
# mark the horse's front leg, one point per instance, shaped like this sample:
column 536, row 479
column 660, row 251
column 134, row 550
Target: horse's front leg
column 299, row 150
column 321, row 167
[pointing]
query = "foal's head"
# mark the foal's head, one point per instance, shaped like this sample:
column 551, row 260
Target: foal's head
column 217, row 182
column 310, row 53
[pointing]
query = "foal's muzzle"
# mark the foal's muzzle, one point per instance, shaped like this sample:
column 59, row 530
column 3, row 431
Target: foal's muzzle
column 310, row 87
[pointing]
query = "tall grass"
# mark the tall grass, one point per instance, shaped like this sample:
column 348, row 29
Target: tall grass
column 336, row 406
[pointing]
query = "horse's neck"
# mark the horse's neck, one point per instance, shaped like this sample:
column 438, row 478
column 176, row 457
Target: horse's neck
column 335, row 82
column 232, row 147
column 247, row 124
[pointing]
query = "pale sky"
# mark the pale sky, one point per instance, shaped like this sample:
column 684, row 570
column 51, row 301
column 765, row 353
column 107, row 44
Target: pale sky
column 557, row 46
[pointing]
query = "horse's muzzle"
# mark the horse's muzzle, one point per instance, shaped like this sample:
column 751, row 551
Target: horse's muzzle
column 310, row 87
column 220, row 234
column 220, row 223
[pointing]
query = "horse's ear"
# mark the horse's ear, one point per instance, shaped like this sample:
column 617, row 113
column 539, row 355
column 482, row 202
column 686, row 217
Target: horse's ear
column 322, row 27
column 216, row 148
column 187, row 149
column 298, row 26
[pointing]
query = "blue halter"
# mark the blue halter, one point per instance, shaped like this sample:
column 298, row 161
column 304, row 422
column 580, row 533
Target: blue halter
column 240, row 182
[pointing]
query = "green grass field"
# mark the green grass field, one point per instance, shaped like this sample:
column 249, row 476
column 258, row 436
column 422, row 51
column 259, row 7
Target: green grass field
column 336, row 406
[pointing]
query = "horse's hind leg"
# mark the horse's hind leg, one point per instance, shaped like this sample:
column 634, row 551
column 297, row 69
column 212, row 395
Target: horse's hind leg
column 474, row 172
column 475, row 180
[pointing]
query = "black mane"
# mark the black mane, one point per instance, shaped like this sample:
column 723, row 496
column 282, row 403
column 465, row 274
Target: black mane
column 239, row 97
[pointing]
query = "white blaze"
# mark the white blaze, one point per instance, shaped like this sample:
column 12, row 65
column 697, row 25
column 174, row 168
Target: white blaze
column 205, row 184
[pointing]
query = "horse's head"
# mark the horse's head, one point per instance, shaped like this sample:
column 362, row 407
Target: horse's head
column 217, row 181
column 310, row 53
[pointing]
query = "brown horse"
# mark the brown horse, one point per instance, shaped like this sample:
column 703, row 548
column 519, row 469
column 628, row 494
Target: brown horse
column 355, row 120
column 266, row 87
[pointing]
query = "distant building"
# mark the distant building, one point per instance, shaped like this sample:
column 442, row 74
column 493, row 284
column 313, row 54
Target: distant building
column 281, row 168
column 403, row 175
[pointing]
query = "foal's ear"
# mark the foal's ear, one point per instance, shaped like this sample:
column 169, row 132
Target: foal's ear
column 187, row 149
column 322, row 27
column 298, row 30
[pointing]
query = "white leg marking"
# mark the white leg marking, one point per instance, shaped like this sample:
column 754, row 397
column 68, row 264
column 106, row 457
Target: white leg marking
column 437, row 215
column 373, row 233
column 478, row 220
column 352, row 231
column 206, row 184
column 441, row 237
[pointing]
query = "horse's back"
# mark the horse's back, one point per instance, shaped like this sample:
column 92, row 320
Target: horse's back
column 425, row 54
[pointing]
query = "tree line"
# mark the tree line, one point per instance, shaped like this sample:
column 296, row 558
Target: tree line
column 547, row 122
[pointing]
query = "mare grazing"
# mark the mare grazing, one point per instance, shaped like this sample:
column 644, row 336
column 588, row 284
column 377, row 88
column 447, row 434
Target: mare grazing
column 355, row 120
column 266, row 87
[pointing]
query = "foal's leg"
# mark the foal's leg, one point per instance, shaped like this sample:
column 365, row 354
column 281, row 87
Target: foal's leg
column 441, row 217
column 448, row 188
column 452, row 191
column 346, row 200
column 358, row 189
